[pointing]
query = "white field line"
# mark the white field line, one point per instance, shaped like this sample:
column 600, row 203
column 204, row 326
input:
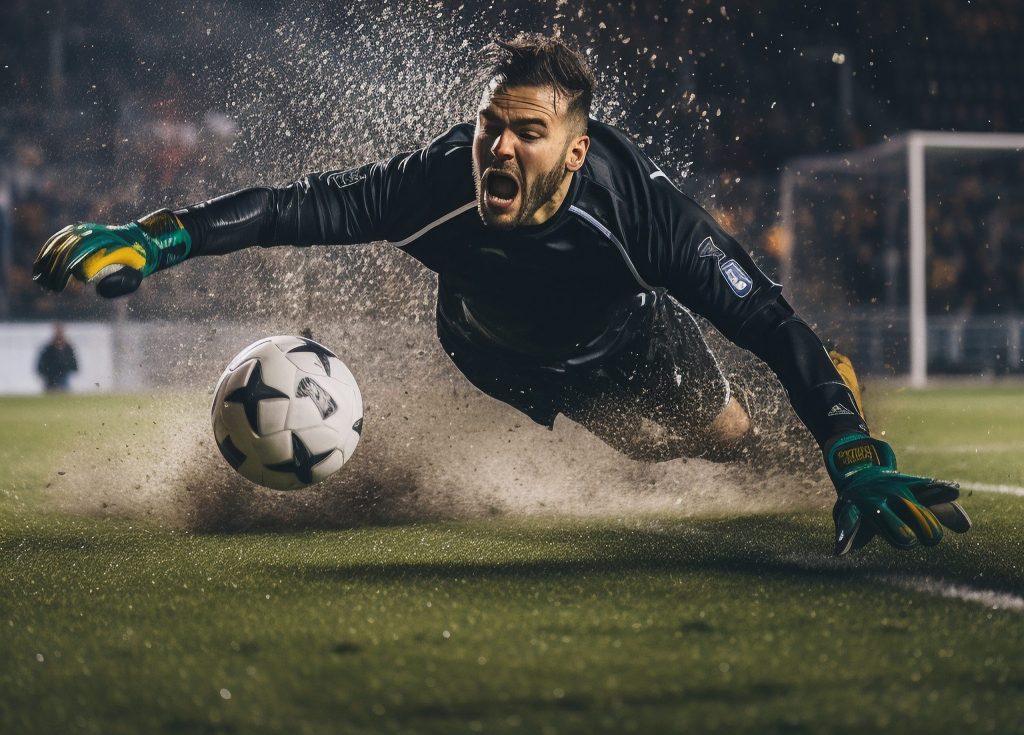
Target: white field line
column 931, row 586
column 926, row 585
column 994, row 448
column 982, row 487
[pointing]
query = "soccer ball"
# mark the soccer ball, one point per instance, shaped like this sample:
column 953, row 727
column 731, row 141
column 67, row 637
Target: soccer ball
column 287, row 413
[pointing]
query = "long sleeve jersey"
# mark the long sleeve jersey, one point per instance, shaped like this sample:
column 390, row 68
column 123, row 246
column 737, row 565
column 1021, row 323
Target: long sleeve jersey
column 566, row 292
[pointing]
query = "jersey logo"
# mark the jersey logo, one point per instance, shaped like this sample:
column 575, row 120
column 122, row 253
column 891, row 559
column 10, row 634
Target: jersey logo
column 840, row 410
column 736, row 277
column 348, row 177
column 733, row 272
column 708, row 249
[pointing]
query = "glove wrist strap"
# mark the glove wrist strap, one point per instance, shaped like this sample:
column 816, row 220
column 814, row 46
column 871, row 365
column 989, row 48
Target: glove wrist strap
column 171, row 242
column 850, row 454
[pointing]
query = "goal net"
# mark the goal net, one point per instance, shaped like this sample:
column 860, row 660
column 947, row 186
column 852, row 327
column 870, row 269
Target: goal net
column 910, row 254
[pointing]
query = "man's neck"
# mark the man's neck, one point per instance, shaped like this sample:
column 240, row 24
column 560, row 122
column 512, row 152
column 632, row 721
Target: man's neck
column 550, row 207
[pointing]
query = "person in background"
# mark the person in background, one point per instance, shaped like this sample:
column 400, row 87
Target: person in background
column 56, row 362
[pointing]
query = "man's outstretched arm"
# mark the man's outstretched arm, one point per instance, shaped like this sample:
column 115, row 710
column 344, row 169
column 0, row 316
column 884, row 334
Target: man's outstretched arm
column 334, row 207
column 709, row 272
column 339, row 207
column 874, row 497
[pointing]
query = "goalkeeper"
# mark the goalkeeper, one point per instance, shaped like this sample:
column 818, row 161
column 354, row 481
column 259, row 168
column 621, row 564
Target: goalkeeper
column 569, row 269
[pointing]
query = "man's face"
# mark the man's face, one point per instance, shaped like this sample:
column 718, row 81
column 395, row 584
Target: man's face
column 525, row 148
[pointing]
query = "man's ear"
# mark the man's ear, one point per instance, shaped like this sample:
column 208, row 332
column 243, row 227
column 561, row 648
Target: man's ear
column 576, row 153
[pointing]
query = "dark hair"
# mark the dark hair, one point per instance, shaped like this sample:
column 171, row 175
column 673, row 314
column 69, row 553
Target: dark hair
column 533, row 59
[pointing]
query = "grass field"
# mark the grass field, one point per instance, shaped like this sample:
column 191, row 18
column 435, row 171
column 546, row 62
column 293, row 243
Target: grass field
column 644, row 624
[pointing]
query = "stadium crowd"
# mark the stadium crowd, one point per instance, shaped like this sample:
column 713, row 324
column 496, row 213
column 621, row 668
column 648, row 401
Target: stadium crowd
column 975, row 211
column 115, row 112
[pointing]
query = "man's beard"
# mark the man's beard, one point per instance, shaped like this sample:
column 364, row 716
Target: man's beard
column 532, row 198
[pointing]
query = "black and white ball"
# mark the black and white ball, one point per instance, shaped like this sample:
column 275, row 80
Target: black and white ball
column 287, row 413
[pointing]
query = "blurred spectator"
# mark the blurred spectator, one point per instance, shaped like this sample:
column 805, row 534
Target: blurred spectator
column 56, row 362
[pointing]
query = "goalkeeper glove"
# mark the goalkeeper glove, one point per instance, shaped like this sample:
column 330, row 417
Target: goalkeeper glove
column 876, row 499
column 119, row 256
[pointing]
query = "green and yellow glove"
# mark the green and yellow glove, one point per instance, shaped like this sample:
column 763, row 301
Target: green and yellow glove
column 118, row 256
column 876, row 499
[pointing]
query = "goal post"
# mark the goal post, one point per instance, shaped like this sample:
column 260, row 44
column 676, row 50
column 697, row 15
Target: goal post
column 897, row 170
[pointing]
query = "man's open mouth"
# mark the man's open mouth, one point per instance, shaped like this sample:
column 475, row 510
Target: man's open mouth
column 501, row 190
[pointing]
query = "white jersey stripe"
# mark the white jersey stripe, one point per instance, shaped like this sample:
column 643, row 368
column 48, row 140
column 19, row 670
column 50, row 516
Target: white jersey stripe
column 632, row 269
column 622, row 248
column 439, row 221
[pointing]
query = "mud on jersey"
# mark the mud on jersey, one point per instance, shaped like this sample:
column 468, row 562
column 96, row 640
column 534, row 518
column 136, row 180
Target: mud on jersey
column 568, row 292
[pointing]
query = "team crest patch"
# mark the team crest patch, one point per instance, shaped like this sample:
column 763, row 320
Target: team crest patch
column 733, row 272
column 736, row 277
column 708, row 249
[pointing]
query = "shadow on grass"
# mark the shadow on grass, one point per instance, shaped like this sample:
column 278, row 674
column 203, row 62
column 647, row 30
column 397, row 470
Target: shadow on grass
column 489, row 709
column 378, row 497
column 771, row 548
column 766, row 547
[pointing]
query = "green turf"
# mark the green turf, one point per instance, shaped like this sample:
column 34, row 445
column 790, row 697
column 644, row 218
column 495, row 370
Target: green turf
column 651, row 624
column 967, row 433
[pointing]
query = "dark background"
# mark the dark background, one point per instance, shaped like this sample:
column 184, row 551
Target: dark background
column 112, row 109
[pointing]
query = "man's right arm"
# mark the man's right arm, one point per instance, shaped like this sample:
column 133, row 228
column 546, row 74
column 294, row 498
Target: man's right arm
column 341, row 207
column 334, row 207
column 378, row 201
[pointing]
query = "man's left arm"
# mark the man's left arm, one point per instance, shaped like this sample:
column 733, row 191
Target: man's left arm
column 710, row 273
column 874, row 497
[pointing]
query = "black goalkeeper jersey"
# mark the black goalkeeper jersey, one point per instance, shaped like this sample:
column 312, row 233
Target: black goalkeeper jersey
column 568, row 292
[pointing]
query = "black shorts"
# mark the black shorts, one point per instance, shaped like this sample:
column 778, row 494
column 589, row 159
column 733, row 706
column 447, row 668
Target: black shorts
column 666, row 374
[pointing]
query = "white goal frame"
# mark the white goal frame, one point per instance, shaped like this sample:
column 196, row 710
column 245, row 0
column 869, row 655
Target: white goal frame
column 912, row 145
